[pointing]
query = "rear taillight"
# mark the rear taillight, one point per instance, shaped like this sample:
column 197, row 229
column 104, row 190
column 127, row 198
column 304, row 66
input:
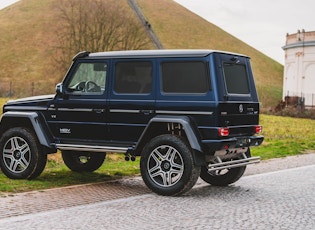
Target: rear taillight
column 223, row 132
column 258, row 129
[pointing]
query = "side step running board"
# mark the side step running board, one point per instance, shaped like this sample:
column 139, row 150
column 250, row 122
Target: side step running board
column 233, row 163
column 92, row 148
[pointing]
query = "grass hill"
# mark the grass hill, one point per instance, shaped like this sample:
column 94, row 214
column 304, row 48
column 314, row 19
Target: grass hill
column 28, row 39
column 26, row 44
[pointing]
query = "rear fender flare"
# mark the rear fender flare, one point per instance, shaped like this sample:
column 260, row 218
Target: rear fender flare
column 153, row 130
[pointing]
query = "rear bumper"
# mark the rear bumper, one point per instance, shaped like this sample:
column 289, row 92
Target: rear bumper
column 232, row 143
column 245, row 160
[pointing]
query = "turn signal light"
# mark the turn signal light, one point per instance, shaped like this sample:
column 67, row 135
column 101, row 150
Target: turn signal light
column 223, row 132
column 258, row 129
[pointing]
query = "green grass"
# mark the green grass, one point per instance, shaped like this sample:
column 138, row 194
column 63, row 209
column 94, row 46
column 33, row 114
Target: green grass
column 56, row 174
column 285, row 136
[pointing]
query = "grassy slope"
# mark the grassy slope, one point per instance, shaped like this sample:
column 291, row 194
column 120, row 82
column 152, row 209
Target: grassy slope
column 177, row 27
column 27, row 43
column 26, row 37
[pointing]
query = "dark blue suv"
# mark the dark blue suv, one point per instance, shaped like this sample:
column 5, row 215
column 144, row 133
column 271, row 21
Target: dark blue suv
column 187, row 113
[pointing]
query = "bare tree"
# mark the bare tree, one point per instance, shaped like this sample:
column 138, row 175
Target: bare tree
column 96, row 25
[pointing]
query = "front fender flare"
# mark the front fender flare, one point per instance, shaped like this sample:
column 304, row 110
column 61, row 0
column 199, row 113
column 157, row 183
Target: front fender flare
column 33, row 117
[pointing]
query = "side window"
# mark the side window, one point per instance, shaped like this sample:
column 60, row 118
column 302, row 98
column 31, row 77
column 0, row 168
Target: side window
column 88, row 79
column 185, row 77
column 236, row 79
column 133, row 77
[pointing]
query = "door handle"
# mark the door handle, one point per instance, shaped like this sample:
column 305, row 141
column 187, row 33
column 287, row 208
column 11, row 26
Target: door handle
column 98, row 110
column 146, row 112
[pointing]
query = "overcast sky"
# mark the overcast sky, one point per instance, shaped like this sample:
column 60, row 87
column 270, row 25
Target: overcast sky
column 5, row 3
column 261, row 24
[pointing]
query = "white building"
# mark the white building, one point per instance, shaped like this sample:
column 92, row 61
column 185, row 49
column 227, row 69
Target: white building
column 299, row 68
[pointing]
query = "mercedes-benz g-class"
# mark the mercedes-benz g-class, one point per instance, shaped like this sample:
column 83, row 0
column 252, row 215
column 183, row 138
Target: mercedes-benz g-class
column 187, row 113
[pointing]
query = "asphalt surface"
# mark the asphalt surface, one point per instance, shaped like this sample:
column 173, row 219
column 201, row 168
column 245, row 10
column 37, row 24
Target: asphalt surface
column 275, row 194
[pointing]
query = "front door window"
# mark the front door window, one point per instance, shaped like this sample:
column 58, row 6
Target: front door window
column 88, row 79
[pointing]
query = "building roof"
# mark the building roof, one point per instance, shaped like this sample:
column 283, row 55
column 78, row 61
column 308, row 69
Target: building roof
column 300, row 39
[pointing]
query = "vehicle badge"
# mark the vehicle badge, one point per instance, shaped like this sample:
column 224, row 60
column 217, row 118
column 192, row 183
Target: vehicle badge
column 240, row 108
column 64, row 131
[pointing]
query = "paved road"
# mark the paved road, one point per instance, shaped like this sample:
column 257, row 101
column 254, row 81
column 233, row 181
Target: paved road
column 283, row 199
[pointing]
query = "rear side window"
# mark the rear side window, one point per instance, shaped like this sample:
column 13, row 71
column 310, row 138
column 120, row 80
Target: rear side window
column 185, row 77
column 236, row 79
column 133, row 77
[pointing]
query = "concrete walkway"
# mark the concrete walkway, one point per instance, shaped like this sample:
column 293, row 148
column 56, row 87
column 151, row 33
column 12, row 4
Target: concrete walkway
column 59, row 198
column 282, row 199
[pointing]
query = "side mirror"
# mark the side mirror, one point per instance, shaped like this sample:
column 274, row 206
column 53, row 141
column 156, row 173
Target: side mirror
column 59, row 89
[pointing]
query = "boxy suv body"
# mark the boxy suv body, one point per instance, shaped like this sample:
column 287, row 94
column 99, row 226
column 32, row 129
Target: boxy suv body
column 187, row 113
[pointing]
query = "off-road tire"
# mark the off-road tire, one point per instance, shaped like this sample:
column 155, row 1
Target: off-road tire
column 83, row 161
column 21, row 156
column 167, row 166
column 223, row 177
column 228, row 177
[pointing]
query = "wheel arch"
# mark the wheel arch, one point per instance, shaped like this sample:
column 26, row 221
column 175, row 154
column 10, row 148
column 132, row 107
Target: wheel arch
column 178, row 125
column 30, row 120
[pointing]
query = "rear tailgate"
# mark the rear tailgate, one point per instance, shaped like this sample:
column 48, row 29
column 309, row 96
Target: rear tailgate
column 241, row 118
column 238, row 107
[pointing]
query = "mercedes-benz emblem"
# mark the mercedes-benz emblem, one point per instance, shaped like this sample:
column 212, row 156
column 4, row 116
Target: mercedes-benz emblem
column 240, row 108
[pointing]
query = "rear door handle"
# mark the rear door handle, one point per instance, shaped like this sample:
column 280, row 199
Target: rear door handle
column 146, row 112
column 98, row 110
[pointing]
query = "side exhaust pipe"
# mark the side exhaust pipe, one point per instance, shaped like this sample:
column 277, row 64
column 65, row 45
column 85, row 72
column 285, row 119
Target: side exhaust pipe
column 130, row 157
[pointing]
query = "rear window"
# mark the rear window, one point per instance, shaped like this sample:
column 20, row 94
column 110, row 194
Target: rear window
column 185, row 77
column 236, row 79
